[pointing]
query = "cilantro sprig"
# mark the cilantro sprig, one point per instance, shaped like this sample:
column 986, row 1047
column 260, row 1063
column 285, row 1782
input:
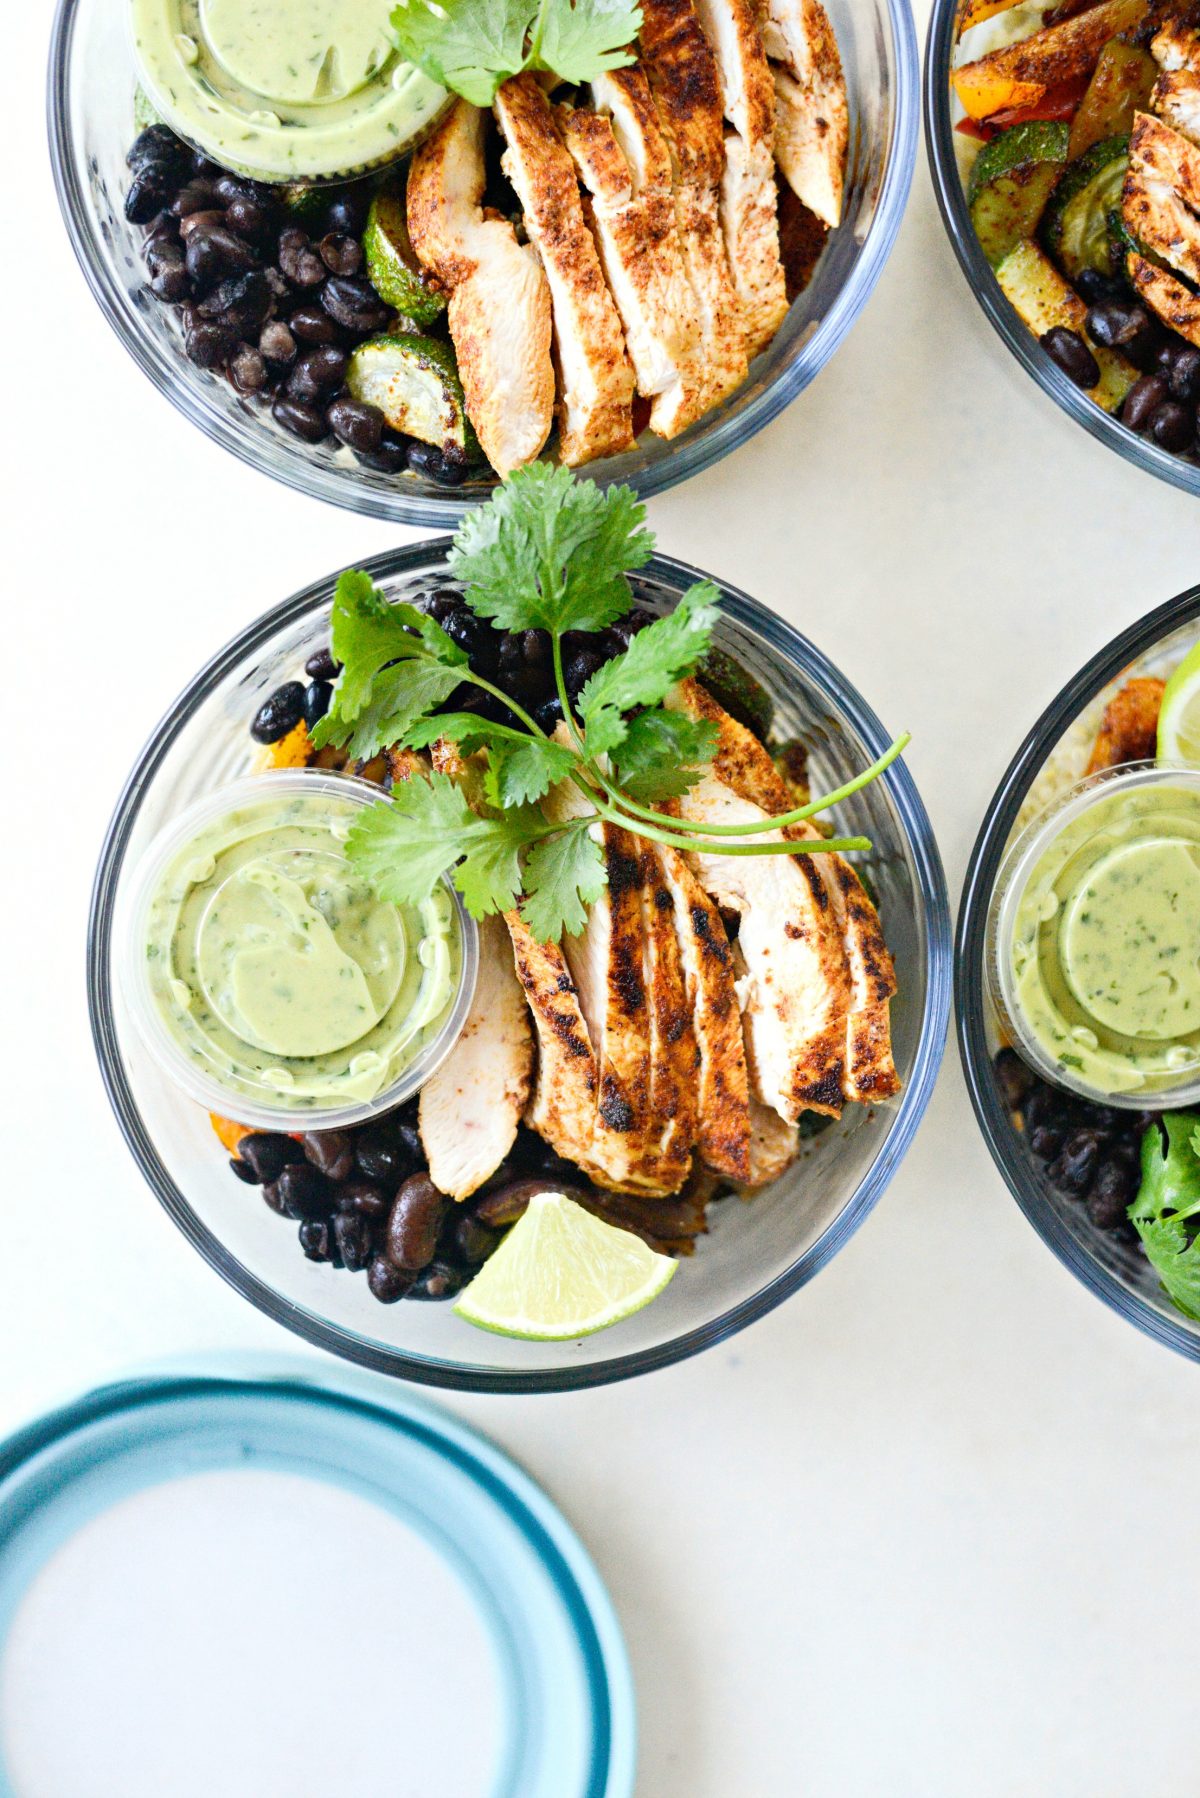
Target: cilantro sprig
column 472, row 46
column 548, row 553
column 1168, row 1202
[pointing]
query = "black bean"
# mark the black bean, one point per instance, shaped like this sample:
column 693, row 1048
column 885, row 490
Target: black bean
column 1046, row 1141
column 548, row 715
column 353, row 1235
column 1172, row 425
column 1113, row 322
column 386, row 1281
column 208, row 343
column 444, row 602
column 277, row 343
column 161, row 230
column 1143, row 399
column 355, row 423
column 310, row 324
column 1114, row 1190
column 416, row 1218
column 580, row 669
column 321, row 665
column 440, row 1280
column 244, row 1171
column 247, row 370
column 624, row 630
column 1074, row 1168
column 353, row 303
column 169, row 280
column 317, row 374
column 303, row 421
column 473, row 1241
column 330, row 1150
column 297, row 258
column 279, row 713
column 367, row 1200
column 247, row 215
column 1185, row 375
column 425, row 460
column 1013, row 1077
column 194, row 196
column 270, row 1193
column 1092, row 287
column 467, row 629
column 305, row 1192
column 317, row 696
column 392, row 455
column 200, row 165
column 503, row 1205
column 158, row 143
column 382, row 1156
column 215, row 254
column 1071, row 353
column 197, row 222
column 268, row 1152
column 240, row 301
column 316, row 1239
column 147, row 193
column 347, row 211
column 341, row 253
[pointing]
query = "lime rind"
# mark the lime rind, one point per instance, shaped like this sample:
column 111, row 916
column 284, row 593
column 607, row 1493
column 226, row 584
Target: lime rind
column 1179, row 716
column 561, row 1273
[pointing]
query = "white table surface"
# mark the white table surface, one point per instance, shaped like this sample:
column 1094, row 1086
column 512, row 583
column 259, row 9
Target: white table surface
column 927, row 1529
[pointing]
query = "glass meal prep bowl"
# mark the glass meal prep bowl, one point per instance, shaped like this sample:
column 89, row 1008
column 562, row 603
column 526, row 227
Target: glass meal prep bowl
column 755, row 1254
column 1111, row 1265
column 942, row 110
column 91, row 87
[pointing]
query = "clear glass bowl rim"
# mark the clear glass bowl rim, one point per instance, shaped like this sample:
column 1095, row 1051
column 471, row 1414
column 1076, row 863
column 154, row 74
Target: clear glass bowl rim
column 970, row 951
column 952, row 204
column 677, row 463
column 790, row 645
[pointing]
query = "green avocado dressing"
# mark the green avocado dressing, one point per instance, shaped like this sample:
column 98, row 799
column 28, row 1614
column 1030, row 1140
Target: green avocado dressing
column 274, row 967
column 283, row 89
column 1105, row 949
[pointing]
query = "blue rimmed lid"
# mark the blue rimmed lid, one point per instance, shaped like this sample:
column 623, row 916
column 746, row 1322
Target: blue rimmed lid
column 565, row 1699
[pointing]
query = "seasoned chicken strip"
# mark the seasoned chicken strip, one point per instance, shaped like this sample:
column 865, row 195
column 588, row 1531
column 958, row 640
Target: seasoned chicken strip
column 682, row 73
column 471, row 1105
column 796, row 992
column 1174, row 303
column 1161, row 196
column 562, row 1108
column 674, row 1053
column 595, row 374
column 748, row 193
column 774, row 1145
column 742, row 761
column 623, row 160
column 1176, row 99
column 499, row 312
column 706, row 962
column 812, row 124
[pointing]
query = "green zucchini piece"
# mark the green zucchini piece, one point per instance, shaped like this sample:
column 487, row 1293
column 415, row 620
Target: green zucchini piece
column 1075, row 222
column 392, row 266
column 414, row 382
column 1011, row 180
column 735, row 688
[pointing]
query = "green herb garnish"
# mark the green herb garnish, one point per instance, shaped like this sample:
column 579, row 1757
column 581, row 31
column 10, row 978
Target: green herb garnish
column 1168, row 1197
column 472, row 46
column 547, row 553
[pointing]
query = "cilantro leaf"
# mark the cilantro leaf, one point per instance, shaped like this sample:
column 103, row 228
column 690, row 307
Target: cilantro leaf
column 656, row 659
column 1175, row 1260
column 397, row 663
column 523, row 771
column 403, row 848
column 550, row 552
column 663, row 754
column 580, row 41
column 564, row 874
column 470, row 46
column 1170, row 1172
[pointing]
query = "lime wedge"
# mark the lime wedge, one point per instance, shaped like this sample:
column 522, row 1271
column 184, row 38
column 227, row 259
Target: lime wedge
column 562, row 1273
column 1179, row 719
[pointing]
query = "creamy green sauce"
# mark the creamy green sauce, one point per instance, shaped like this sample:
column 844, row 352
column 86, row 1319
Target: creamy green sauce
column 1105, row 945
column 276, row 969
column 283, row 89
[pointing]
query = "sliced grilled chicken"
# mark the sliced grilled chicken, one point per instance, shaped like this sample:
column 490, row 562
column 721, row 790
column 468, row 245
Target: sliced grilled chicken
column 1161, row 197
column 1176, row 93
column 499, row 312
column 706, row 962
column 674, row 1052
column 774, row 1145
column 682, row 73
column 796, row 992
column 1174, row 303
column 563, row 1106
column 625, row 166
column 812, row 124
column 870, row 1069
column 595, row 374
column 748, row 192
column 471, row 1105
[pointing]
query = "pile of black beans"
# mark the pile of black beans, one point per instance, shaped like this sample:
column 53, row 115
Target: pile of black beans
column 518, row 662
column 277, row 305
column 363, row 1202
column 1164, row 403
column 1091, row 1153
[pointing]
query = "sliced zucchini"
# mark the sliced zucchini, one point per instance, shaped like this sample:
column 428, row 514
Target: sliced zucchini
column 392, row 266
column 1043, row 299
column 1011, row 181
column 1075, row 223
column 414, row 382
column 735, row 688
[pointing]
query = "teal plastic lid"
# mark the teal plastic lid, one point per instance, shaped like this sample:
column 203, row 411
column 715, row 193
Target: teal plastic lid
column 548, row 1667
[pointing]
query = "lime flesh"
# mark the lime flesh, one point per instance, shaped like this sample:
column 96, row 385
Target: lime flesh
column 562, row 1273
column 1179, row 719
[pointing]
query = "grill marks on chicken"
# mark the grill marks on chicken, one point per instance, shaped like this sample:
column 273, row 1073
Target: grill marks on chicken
column 596, row 380
column 1161, row 197
column 499, row 312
